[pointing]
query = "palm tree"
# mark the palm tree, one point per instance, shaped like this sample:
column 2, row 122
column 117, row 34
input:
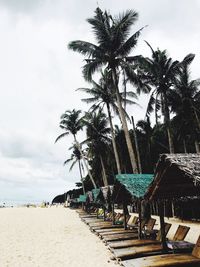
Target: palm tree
column 76, row 157
column 112, row 51
column 98, row 139
column 71, row 123
column 103, row 95
column 185, row 102
column 159, row 72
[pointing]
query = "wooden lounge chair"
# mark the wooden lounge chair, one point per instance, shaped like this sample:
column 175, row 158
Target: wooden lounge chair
column 127, row 236
column 168, row 260
column 106, row 225
column 132, row 220
column 94, row 219
column 99, row 222
column 139, row 242
column 140, row 251
column 131, row 223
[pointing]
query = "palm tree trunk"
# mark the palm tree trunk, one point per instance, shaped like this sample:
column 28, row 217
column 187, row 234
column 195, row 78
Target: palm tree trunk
column 86, row 165
column 136, row 147
column 197, row 147
column 184, row 146
column 124, row 124
column 168, row 124
column 105, row 180
column 113, row 141
column 79, row 164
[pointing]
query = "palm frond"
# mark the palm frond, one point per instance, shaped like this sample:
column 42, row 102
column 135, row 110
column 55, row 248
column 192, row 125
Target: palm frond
column 101, row 26
column 61, row 136
column 90, row 68
column 126, row 47
column 150, row 106
column 85, row 48
column 122, row 25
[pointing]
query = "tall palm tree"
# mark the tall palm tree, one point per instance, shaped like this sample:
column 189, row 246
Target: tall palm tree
column 185, row 102
column 98, row 139
column 114, row 44
column 159, row 72
column 76, row 158
column 103, row 95
column 71, row 123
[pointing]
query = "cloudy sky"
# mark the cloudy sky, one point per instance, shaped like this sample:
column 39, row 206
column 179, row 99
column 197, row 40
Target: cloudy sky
column 39, row 75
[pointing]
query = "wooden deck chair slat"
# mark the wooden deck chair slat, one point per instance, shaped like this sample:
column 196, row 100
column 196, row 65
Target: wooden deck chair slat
column 169, row 260
column 181, row 233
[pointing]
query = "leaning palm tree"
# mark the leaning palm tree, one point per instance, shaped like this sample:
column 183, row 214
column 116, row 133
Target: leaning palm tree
column 185, row 102
column 76, row 158
column 114, row 44
column 98, row 138
column 103, row 95
column 159, row 72
column 71, row 123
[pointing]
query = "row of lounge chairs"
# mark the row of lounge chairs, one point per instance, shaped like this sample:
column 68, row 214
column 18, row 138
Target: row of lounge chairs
column 130, row 251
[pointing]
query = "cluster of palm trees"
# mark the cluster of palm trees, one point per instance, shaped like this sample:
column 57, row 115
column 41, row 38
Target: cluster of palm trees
column 174, row 98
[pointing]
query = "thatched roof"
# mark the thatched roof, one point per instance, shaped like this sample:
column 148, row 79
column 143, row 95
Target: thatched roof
column 176, row 175
column 135, row 184
column 82, row 199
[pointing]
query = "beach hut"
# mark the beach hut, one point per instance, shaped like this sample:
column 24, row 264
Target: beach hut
column 82, row 199
column 136, row 185
column 176, row 175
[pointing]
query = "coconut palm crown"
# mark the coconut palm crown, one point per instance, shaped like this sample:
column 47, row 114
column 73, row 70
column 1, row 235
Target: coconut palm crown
column 114, row 44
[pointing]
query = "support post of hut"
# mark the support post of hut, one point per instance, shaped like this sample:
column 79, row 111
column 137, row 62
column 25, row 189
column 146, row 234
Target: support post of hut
column 162, row 225
column 173, row 208
column 97, row 213
column 140, row 219
column 104, row 213
column 113, row 212
column 124, row 212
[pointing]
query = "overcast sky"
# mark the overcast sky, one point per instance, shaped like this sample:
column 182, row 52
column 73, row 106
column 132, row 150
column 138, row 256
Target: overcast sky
column 39, row 75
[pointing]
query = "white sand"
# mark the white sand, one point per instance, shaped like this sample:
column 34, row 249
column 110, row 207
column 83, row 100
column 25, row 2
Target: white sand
column 48, row 237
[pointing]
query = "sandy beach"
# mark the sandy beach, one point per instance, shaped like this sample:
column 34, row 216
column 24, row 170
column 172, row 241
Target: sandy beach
column 53, row 237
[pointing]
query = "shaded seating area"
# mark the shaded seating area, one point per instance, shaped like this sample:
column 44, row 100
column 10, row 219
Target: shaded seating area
column 173, row 260
column 176, row 176
column 143, row 248
column 135, row 242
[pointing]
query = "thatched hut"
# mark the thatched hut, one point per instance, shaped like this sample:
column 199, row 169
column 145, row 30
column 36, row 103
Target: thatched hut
column 176, row 176
column 133, row 187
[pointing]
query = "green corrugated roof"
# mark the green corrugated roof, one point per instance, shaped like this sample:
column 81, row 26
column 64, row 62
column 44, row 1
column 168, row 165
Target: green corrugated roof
column 95, row 193
column 82, row 198
column 136, row 184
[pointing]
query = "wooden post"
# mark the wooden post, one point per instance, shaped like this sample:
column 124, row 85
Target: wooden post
column 124, row 212
column 113, row 213
column 140, row 219
column 162, row 225
column 173, row 209
column 104, row 213
column 97, row 213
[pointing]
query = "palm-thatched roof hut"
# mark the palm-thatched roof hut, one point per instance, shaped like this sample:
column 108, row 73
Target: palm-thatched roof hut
column 176, row 175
